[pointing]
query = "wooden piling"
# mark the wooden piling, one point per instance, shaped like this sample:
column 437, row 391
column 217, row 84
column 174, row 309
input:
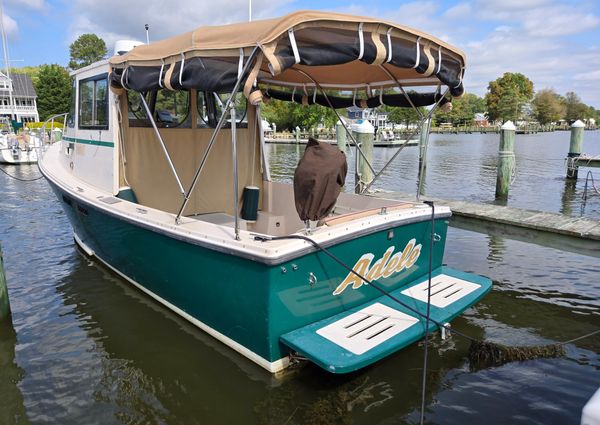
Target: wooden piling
column 506, row 159
column 364, row 133
column 340, row 135
column 423, row 138
column 575, row 147
column 4, row 304
column 297, row 134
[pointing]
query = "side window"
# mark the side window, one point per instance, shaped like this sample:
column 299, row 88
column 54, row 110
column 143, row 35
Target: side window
column 71, row 116
column 210, row 109
column 93, row 103
column 170, row 109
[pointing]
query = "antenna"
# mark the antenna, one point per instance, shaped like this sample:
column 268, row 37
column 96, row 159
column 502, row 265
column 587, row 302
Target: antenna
column 7, row 63
column 147, row 33
column 249, row 10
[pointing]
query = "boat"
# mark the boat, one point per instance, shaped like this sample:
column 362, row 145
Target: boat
column 18, row 149
column 163, row 173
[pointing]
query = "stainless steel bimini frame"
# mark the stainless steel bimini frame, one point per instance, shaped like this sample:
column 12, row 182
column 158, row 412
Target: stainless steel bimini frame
column 212, row 140
column 420, row 126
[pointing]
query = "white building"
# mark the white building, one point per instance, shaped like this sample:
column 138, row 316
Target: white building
column 24, row 106
column 377, row 119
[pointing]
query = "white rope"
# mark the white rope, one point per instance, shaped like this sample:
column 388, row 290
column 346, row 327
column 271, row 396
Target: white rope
column 123, row 78
column 181, row 68
column 389, row 39
column 418, row 53
column 241, row 62
column 462, row 71
column 294, row 45
column 162, row 67
column 293, row 94
column 439, row 60
column 381, row 96
column 354, row 98
column 361, row 40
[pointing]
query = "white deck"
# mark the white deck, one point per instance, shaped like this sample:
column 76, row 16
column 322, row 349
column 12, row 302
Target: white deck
column 220, row 235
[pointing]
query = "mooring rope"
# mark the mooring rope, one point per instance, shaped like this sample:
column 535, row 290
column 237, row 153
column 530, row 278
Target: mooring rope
column 18, row 178
column 425, row 352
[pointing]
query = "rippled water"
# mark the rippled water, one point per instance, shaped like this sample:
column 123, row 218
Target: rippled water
column 85, row 347
column 463, row 167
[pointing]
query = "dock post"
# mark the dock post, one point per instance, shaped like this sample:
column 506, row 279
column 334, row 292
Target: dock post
column 575, row 147
column 423, row 139
column 364, row 133
column 423, row 143
column 297, row 134
column 506, row 159
column 340, row 135
column 4, row 304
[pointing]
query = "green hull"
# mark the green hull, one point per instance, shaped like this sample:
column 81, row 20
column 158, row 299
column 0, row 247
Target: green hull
column 247, row 301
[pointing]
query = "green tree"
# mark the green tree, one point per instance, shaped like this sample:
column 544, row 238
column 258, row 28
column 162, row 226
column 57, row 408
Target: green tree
column 547, row 106
column 507, row 95
column 53, row 89
column 574, row 108
column 87, row 49
column 288, row 115
column 405, row 116
column 463, row 110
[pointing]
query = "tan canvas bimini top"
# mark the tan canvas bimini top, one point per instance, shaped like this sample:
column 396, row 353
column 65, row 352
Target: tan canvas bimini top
column 336, row 51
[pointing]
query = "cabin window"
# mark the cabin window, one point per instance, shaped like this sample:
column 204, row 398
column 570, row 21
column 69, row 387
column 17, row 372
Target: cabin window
column 169, row 108
column 210, row 109
column 93, row 103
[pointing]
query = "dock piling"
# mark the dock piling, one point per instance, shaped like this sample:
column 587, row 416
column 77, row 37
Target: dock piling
column 340, row 135
column 506, row 159
column 575, row 147
column 4, row 304
column 364, row 133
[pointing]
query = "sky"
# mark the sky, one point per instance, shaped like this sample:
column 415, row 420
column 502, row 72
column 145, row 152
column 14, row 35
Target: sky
column 555, row 43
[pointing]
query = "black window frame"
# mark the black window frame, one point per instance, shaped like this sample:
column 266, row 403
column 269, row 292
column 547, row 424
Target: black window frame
column 95, row 78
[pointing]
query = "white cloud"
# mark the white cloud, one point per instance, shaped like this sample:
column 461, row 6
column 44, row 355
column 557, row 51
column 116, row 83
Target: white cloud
column 460, row 11
column 165, row 20
column 32, row 4
column 10, row 26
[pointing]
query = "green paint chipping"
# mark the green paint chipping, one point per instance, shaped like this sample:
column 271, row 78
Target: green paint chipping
column 4, row 305
column 90, row 142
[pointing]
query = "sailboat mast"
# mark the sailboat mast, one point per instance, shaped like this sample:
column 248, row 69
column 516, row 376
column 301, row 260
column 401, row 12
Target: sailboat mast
column 7, row 62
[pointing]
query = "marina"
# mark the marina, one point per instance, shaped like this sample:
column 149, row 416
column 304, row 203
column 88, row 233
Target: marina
column 107, row 335
column 168, row 256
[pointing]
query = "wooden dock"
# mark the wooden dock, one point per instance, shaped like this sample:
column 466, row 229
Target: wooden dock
column 576, row 234
column 586, row 161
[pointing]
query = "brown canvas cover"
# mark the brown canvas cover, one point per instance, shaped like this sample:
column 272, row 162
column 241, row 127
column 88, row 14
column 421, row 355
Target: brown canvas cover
column 318, row 180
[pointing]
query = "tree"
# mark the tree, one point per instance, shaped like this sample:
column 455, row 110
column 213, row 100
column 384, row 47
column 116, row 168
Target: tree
column 574, row 108
column 404, row 116
column 87, row 49
column 463, row 110
column 288, row 115
column 53, row 89
column 507, row 95
column 547, row 106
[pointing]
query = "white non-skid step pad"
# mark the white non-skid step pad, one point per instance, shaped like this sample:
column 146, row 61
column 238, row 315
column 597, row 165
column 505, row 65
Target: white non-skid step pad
column 367, row 328
column 445, row 290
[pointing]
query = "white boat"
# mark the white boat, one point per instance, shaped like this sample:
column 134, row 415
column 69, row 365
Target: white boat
column 19, row 149
column 164, row 177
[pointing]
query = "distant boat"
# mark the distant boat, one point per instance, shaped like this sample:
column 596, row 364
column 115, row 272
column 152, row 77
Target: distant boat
column 18, row 149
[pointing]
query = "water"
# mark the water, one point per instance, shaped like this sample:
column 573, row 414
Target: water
column 85, row 347
column 464, row 167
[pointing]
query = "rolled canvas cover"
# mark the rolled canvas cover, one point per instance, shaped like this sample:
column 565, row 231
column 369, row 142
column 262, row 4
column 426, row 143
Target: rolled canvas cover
column 318, row 180
column 337, row 50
